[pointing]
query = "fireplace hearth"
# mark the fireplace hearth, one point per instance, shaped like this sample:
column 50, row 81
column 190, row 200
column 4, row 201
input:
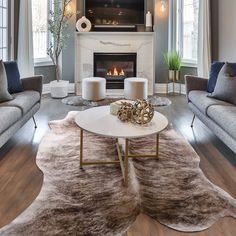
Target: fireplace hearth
column 115, row 67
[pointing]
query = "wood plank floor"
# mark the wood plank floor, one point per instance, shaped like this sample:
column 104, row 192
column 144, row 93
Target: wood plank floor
column 21, row 180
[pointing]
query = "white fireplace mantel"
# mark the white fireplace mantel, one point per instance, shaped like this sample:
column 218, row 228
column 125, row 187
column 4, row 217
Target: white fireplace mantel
column 89, row 43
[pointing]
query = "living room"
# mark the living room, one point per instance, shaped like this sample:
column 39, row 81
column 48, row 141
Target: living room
column 117, row 117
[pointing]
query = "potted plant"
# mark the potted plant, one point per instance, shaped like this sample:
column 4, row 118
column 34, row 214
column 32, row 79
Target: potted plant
column 173, row 61
column 57, row 25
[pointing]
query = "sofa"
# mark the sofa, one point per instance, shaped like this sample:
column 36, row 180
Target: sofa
column 219, row 116
column 15, row 113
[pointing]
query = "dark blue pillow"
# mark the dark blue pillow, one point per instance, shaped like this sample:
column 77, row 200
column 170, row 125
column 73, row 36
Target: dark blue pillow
column 13, row 77
column 216, row 66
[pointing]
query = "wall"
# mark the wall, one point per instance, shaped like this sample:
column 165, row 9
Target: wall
column 227, row 30
column 47, row 71
column 215, row 29
column 68, row 54
column 161, row 29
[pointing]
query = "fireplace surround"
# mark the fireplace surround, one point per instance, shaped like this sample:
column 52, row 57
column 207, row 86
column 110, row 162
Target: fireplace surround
column 140, row 43
column 115, row 67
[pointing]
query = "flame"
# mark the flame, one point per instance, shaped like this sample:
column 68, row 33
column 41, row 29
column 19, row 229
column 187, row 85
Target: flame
column 122, row 72
column 116, row 72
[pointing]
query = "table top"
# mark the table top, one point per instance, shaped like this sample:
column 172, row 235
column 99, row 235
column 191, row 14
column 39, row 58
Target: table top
column 98, row 120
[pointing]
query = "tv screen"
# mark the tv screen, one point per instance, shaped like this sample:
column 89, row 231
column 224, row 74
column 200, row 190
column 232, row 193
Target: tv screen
column 115, row 12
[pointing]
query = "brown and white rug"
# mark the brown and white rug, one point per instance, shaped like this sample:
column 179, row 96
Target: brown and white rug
column 172, row 189
column 155, row 100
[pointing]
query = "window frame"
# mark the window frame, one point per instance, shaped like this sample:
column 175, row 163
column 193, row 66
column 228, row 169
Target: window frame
column 179, row 34
column 46, row 61
column 8, row 30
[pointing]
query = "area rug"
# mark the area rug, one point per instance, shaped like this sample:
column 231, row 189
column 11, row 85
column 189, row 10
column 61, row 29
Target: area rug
column 79, row 101
column 172, row 189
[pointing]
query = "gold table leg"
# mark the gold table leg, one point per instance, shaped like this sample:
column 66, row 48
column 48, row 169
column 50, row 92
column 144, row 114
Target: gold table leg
column 157, row 145
column 123, row 163
column 126, row 162
column 81, row 147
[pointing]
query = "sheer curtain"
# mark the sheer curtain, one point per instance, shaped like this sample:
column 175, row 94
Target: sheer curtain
column 204, row 38
column 25, row 57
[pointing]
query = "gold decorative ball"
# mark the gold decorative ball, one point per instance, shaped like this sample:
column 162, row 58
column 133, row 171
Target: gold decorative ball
column 124, row 113
column 142, row 112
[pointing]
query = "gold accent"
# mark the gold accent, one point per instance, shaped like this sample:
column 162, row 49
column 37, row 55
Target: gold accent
column 124, row 113
column 81, row 147
column 142, row 112
column 126, row 164
column 123, row 160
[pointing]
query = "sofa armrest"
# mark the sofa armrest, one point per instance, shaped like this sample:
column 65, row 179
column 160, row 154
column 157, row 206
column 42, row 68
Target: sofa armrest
column 33, row 83
column 195, row 83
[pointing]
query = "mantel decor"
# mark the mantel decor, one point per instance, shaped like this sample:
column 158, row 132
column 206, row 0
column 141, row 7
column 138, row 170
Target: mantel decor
column 83, row 24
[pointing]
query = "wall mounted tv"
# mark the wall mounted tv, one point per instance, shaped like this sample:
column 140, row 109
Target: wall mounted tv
column 115, row 12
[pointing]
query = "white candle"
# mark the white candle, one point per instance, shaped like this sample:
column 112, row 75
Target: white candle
column 148, row 19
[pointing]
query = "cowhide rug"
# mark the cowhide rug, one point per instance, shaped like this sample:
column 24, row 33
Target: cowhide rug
column 155, row 100
column 172, row 189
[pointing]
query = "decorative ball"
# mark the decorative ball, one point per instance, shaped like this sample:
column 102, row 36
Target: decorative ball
column 142, row 112
column 83, row 24
column 124, row 113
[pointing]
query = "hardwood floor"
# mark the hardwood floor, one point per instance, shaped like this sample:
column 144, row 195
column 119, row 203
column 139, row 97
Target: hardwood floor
column 21, row 180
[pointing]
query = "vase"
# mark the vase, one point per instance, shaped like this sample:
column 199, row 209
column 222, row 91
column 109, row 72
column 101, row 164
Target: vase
column 174, row 75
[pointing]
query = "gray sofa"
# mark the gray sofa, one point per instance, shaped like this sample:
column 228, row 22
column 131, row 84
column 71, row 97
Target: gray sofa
column 15, row 113
column 217, row 115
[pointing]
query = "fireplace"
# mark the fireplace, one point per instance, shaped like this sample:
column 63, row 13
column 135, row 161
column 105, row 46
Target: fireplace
column 115, row 67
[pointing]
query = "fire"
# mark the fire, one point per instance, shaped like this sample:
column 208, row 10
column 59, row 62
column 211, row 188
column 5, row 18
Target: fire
column 116, row 72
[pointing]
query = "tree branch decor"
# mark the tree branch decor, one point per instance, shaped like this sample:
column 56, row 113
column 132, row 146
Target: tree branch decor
column 57, row 25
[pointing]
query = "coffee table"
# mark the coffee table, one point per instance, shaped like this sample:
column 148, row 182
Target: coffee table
column 99, row 121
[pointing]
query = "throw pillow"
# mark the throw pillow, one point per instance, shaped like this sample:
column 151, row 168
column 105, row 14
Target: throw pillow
column 216, row 66
column 13, row 77
column 226, row 84
column 4, row 94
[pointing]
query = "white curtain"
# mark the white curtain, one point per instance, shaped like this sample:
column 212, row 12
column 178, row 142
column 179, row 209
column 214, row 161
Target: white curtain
column 204, row 38
column 25, row 57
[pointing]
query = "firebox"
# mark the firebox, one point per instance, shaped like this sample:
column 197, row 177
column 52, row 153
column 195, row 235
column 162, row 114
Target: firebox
column 115, row 67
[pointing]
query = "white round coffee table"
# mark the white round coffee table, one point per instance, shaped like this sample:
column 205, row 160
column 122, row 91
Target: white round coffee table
column 99, row 121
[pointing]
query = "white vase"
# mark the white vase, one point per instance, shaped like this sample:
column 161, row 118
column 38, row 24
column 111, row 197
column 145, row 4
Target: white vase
column 59, row 89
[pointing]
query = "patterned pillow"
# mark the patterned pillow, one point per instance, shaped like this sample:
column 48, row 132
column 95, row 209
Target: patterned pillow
column 4, row 94
column 216, row 66
column 225, row 88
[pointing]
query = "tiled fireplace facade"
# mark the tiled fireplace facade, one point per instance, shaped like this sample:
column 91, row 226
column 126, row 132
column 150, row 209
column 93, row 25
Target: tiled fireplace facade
column 114, row 56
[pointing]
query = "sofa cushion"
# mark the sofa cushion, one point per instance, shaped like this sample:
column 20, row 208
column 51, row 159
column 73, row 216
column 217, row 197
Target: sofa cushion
column 225, row 117
column 9, row 116
column 201, row 100
column 226, row 85
column 13, row 77
column 4, row 94
column 24, row 100
column 216, row 67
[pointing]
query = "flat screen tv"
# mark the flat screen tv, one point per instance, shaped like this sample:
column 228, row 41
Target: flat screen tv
column 115, row 12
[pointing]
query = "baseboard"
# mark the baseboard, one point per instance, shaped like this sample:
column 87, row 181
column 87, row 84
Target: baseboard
column 162, row 88
column 159, row 88
column 46, row 88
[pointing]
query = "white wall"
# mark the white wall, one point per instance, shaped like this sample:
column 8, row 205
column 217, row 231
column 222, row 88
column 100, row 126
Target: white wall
column 227, row 30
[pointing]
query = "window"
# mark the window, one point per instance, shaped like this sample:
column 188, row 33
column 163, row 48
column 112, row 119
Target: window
column 187, row 30
column 41, row 36
column 4, row 47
